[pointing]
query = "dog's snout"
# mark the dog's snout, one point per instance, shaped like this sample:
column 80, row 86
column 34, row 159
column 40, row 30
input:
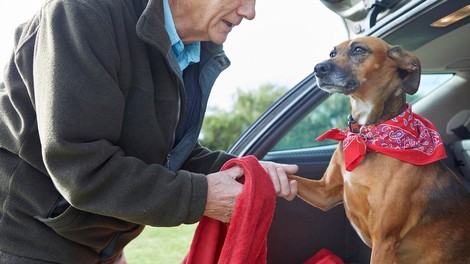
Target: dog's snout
column 321, row 69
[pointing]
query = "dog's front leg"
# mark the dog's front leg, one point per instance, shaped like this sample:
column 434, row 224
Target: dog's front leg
column 383, row 252
column 328, row 191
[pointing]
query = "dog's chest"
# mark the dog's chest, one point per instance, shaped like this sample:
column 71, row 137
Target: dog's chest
column 356, row 204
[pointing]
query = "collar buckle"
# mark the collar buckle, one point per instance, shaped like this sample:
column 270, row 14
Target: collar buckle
column 354, row 127
column 359, row 129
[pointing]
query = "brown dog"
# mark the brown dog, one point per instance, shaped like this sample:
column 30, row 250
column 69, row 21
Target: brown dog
column 406, row 213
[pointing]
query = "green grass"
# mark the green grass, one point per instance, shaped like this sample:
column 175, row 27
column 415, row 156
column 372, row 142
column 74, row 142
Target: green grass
column 160, row 245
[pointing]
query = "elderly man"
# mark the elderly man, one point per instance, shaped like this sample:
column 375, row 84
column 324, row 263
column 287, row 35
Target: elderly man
column 101, row 106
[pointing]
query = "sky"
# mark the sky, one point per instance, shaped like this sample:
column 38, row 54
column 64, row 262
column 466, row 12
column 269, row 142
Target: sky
column 280, row 46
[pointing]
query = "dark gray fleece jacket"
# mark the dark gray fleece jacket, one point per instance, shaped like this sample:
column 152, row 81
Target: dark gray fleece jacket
column 89, row 106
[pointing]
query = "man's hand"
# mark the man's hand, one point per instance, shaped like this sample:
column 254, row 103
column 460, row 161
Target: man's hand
column 223, row 191
column 278, row 173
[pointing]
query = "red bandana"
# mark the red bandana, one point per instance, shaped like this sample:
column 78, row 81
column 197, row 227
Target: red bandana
column 408, row 137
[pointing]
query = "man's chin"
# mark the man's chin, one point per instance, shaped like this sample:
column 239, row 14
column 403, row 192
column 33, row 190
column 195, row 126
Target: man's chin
column 218, row 36
column 219, row 39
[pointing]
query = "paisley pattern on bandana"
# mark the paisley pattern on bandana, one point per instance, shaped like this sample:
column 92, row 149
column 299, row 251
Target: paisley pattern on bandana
column 408, row 137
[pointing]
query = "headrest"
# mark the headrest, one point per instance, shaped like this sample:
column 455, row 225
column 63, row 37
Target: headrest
column 461, row 150
column 459, row 125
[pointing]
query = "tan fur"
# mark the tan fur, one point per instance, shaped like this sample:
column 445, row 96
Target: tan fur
column 405, row 213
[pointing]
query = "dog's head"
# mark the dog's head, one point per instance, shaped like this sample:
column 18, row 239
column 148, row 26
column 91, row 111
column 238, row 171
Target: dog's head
column 361, row 65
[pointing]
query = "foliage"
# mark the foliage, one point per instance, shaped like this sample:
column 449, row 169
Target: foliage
column 329, row 114
column 222, row 127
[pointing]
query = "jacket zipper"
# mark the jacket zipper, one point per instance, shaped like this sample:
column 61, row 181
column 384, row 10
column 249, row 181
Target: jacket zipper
column 178, row 113
column 167, row 162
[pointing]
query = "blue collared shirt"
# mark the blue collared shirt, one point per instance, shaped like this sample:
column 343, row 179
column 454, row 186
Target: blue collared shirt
column 185, row 54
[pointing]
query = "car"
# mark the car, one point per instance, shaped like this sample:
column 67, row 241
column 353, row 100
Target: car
column 438, row 33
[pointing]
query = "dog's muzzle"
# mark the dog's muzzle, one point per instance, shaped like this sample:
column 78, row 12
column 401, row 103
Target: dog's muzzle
column 334, row 79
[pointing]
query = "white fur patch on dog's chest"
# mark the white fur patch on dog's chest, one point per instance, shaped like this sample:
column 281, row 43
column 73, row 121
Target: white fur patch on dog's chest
column 351, row 209
column 347, row 178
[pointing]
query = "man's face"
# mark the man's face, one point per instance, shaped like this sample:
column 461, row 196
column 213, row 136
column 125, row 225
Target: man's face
column 214, row 19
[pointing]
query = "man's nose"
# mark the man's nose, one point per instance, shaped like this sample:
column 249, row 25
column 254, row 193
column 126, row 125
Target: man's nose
column 247, row 9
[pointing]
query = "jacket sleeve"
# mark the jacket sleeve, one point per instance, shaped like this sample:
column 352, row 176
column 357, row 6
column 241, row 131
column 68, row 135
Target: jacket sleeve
column 202, row 160
column 80, row 110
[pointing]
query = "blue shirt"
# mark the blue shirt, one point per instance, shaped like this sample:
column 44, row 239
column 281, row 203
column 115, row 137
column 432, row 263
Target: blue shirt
column 185, row 54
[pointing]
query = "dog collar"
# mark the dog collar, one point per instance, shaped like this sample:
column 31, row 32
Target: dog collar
column 355, row 127
column 408, row 137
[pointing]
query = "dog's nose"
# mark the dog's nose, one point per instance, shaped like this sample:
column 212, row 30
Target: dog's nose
column 321, row 69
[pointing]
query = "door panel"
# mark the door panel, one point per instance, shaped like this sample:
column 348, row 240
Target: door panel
column 299, row 230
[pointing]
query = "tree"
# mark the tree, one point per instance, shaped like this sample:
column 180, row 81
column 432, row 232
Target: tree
column 222, row 127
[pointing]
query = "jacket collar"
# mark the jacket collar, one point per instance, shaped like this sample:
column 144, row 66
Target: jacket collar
column 151, row 25
column 151, row 29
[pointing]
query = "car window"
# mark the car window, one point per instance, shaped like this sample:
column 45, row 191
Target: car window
column 333, row 113
column 429, row 83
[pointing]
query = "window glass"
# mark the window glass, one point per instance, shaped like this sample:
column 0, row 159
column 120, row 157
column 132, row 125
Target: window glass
column 333, row 113
column 429, row 83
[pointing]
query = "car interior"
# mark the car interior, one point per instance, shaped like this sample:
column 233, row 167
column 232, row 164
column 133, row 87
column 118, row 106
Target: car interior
column 438, row 33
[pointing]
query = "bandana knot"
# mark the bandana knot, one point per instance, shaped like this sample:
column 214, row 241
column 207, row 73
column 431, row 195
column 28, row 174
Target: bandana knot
column 408, row 137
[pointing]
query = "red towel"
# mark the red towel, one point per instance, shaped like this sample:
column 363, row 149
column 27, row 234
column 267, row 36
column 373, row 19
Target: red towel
column 324, row 256
column 244, row 239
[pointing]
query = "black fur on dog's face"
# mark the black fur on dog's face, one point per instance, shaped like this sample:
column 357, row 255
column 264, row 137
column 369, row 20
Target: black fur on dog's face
column 367, row 62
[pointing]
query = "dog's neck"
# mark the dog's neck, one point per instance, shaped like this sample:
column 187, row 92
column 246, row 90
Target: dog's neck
column 373, row 113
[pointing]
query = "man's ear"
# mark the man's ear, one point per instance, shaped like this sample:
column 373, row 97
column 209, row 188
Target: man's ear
column 409, row 68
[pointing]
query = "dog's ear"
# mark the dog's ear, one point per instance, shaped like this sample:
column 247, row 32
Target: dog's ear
column 409, row 68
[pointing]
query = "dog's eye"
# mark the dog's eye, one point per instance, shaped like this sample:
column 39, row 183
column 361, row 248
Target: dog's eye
column 333, row 54
column 358, row 50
